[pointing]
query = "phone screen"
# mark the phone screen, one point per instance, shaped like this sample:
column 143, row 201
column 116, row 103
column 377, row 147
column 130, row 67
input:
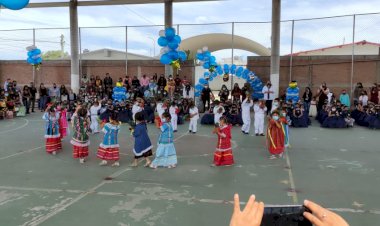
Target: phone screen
column 290, row 215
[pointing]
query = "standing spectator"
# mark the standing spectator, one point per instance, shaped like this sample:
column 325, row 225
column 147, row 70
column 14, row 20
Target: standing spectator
column 224, row 93
column 364, row 98
column 135, row 82
column 108, row 81
column 155, row 77
column 206, row 96
column 245, row 91
column 307, row 96
column 236, row 92
column 268, row 96
column 54, row 93
column 144, row 81
column 43, row 97
column 33, row 92
column 6, row 84
column 345, row 99
column 161, row 82
column 63, row 93
column 127, row 82
column 357, row 92
column 178, row 81
column 323, row 91
column 84, row 81
column 26, row 98
column 374, row 94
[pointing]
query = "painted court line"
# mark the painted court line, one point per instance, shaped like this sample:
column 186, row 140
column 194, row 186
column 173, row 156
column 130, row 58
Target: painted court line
column 291, row 179
column 17, row 128
column 20, row 153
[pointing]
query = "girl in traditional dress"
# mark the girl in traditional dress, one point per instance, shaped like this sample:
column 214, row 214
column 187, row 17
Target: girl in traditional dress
column 275, row 136
column 63, row 124
column 143, row 146
column 166, row 154
column 223, row 154
column 94, row 114
column 80, row 139
column 53, row 138
column 285, row 126
column 109, row 149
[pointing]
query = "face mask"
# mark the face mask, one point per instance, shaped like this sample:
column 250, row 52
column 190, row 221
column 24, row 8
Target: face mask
column 333, row 109
column 275, row 103
column 284, row 114
column 276, row 117
column 164, row 120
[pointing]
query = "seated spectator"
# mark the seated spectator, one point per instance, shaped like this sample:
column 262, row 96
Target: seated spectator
column 299, row 118
column 334, row 119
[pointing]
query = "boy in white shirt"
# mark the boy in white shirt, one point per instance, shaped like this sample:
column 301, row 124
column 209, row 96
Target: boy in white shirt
column 194, row 116
column 260, row 112
column 94, row 117
column 218, row 112
column 173, row 110
column 246, row 114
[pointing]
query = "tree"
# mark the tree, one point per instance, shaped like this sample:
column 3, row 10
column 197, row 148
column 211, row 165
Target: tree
column 54, row 55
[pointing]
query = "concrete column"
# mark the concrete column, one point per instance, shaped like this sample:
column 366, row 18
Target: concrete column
column 168, row 23
column 275, row 47
column 74, row 38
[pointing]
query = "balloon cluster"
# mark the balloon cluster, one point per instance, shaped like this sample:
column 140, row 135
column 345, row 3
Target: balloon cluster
column 292, row 92
column 34, row 56
column 207, row 60
column 119, row 94
column 250, row 77
column 14, row 4
column 170, row 42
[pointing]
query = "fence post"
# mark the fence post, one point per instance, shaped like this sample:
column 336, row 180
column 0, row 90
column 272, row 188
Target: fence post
column 291, row 54
column 232, row 52
column 352, row 55
column 34, row 68
column 126, row 50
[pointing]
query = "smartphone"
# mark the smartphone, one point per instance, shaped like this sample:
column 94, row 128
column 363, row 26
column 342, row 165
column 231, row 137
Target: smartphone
column 288, row 215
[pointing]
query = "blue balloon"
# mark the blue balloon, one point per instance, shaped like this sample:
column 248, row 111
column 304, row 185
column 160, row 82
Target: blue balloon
column 30, row 54
column 233, row 69
column 39, row 60
column 211, row 78
column 173, row 45
column 173, row 55
column 202, row 81
column 182, row 55
column 206, row 65
column 162, row 41
column 212, row 59
column 200, row 56
column 29, row 60
column 226, row 69
column 220, row 70
column 165, row 59
column 197, row 94
column 14, row 4
column 198, row 87
column 206, row 74
column 177, row 39
column 169, row 33
column 207, row 54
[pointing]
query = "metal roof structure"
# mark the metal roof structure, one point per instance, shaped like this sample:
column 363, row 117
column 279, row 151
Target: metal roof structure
column 50, row 4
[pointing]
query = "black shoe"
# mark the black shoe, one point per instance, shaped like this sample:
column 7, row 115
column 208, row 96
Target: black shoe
column 174, row 131
column 189, row 131
column 257, row 134
column 194, row 132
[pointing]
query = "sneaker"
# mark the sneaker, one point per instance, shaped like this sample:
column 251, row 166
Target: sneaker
column 262, row 135
column 272, row 157
column 281, row 155
column 81, row 161
column 54, row 153
column 152, row 166
column 103, row 163
column 116, row 164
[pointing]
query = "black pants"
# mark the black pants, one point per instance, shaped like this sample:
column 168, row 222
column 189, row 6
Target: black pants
column 32, row 103
column 268, row 104
column 204, row 104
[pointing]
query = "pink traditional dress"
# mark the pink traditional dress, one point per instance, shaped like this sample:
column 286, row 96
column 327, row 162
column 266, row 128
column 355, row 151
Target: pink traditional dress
column 63, row 124
column 223, row 153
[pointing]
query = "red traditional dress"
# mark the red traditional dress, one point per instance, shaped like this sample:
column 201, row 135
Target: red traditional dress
column 275, row 137
column 223, row 154
column 53, row 138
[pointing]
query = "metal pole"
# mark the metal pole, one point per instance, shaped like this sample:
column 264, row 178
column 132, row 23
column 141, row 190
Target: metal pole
column 275, row 47
column 74, row 30
column 168, row 23
column 126, row 50
column 34, row 68
column 352, row 55
column 232, row 51
column 80, row 52
column 291, row 54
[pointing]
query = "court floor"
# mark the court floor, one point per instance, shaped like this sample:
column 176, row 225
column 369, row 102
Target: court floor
column 336, row 168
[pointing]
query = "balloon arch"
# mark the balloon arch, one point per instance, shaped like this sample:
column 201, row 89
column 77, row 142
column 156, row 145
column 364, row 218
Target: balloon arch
column 227, row 71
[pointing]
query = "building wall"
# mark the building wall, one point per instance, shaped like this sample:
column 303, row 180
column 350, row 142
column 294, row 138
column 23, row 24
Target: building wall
column 59, row 71
column 313, row 70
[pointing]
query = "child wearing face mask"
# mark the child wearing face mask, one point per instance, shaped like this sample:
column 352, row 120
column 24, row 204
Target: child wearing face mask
column 166, row 154
column 275, row 136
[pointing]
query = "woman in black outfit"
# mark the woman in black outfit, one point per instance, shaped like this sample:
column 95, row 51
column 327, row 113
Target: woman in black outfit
column 322, row 96
column 224, row 93
column 307, row 96
column 43, row 97
column 26, row 98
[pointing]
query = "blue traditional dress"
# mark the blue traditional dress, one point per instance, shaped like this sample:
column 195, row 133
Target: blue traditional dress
column 143, row 146
column 166, row 154
column 109, row 148
column 52, row 135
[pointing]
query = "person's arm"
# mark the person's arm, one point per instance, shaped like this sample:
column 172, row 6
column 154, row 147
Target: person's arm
column 320, row 216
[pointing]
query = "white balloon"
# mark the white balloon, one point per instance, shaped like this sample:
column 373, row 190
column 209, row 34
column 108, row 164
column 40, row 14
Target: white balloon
column 161, row 33
column 30, row 48
column 199, row 51
column 205, row 48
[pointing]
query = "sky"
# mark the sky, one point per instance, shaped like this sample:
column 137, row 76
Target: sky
column 308, row 34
